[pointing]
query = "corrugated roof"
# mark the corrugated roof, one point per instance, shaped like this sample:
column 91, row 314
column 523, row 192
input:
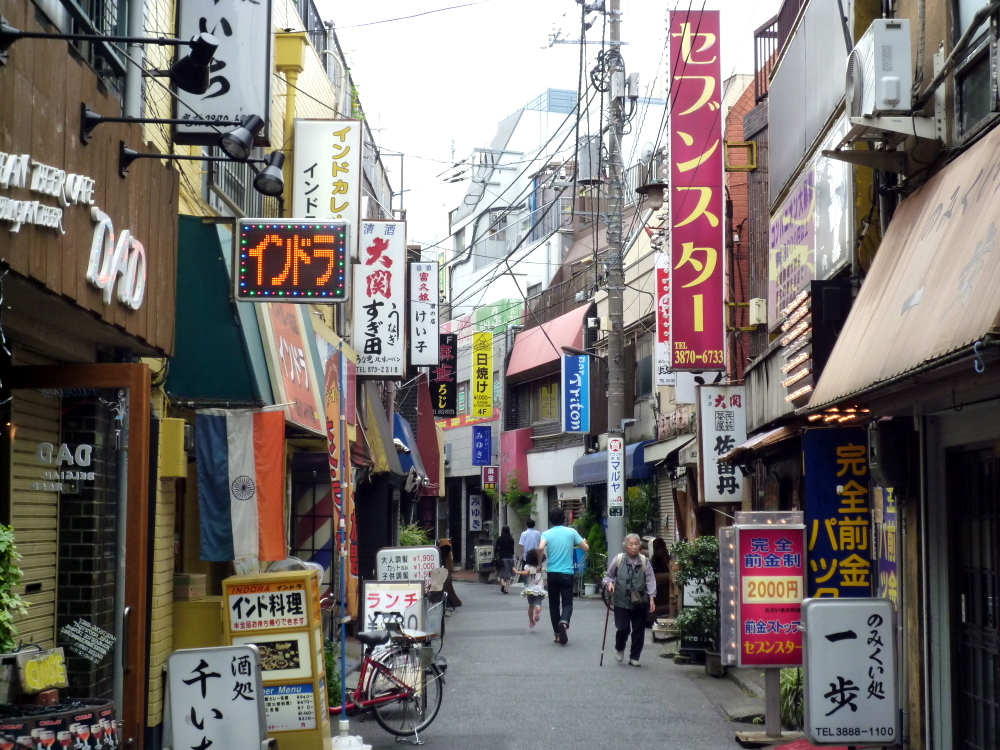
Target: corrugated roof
column 934, row 286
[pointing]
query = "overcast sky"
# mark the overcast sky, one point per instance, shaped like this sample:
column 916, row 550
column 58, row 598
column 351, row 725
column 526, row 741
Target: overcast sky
column 435, row 86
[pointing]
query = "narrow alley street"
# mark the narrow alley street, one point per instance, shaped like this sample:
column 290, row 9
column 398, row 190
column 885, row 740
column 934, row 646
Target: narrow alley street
column 509, row 686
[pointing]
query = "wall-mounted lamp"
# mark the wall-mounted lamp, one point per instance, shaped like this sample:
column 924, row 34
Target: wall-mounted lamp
column 189, row 73
column 248, row 128
column 269, row 181
column 653, row 193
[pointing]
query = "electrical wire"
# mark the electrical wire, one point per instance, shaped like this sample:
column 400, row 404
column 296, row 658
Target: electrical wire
column 415, row 15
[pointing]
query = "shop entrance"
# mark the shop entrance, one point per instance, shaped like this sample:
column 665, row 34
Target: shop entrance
column 973, row 490
column 77, row 452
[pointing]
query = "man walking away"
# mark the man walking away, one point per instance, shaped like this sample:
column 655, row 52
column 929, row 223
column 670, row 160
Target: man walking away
column 632, row 585
column 529, row 539
column 559, row 542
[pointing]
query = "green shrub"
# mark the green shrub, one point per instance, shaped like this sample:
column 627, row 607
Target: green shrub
column 10, row 578
column 331, row 650
column 413, row 535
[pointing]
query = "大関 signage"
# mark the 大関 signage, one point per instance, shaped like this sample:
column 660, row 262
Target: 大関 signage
column 722, row 426
column 379, row 304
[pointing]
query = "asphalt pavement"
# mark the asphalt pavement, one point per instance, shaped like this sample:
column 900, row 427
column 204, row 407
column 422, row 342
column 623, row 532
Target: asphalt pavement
column 511, row 687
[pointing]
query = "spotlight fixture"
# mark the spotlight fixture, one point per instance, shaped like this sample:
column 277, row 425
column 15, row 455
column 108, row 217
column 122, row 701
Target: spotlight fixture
column 269, row 181
column 189, row 73
column 90, row 120
column 238, row 143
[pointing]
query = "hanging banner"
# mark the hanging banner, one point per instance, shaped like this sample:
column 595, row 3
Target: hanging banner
column 444, row 388
column 838, row 511
column 721, row 427
column 576, row 393
column 661, row 360
column 771, row 569
column 697, row 307
column 423, row 314
column 290, row 362
column 378, row 298
column 616, row 477
column 240, row 82
column 482, row 445
column 482, row 374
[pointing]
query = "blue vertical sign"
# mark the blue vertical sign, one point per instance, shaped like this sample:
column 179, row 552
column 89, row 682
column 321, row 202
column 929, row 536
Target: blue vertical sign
column 575, row 393
column 482, row 445
column 838, row 512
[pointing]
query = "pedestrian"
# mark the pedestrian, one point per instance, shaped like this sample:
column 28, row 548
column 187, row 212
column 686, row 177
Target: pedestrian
column 530, row 538
column 558, row 543
column 448, row 563
column 534, row 587
column 632, row 585
column 503, row 553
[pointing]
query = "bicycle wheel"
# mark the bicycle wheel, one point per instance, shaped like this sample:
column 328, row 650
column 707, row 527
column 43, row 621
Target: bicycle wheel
column 406, row 716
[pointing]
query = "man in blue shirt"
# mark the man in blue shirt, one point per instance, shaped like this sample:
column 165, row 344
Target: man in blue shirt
column 559, row 542
column 530, row 538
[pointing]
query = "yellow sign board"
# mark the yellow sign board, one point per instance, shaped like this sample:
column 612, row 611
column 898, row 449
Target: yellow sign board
column 482, row 374
column 41, row 670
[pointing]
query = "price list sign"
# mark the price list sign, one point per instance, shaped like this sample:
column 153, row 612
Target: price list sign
column 771, row 587
column 291, row 261
column 406, row 563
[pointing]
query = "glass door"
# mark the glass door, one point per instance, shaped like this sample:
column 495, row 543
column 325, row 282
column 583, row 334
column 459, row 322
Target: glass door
column 77, row 449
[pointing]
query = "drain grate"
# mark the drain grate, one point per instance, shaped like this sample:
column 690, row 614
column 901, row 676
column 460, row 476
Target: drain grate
column 743, row 709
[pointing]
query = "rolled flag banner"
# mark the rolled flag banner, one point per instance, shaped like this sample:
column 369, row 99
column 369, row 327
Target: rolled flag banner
column 241, row 484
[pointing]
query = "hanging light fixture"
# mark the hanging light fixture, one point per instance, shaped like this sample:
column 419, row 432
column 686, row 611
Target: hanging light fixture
column 238, row 143
column 270, row 181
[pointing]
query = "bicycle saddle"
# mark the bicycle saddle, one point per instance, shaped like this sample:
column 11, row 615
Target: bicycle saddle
column 373, row 637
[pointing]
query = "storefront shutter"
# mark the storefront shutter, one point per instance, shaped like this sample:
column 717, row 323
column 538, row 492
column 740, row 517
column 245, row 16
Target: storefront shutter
column 35, row 514
column 665, row 484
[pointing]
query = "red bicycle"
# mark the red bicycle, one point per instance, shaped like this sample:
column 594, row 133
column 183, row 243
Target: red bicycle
column 401, row 685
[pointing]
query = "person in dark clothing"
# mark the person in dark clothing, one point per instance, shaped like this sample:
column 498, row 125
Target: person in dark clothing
column 448, row 563
column 632, row 585
column 503, row 553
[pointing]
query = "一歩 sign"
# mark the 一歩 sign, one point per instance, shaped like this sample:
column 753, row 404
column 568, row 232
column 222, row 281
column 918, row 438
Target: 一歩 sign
column 576, row 393
column 328, row 171
column 482, row 374
column 216, row 698
column 424, row 314
column 616, row 477
column 393, row 603
column 697, row 319
column 482, row 445
column 475, row 512
column 721, row 427
column 850, row 672
column 661, row 360
column 379, row 305
column 240, row 72
column 771, row 568
column 406, row 563
column 444, row 388
column 491, row 478
column 838, row 511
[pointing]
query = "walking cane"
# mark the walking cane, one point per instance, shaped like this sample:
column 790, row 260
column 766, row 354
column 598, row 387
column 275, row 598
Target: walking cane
column 607, row 613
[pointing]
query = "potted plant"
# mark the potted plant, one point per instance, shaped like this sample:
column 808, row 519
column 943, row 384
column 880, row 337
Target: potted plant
column 597, row 559
column 697, row 563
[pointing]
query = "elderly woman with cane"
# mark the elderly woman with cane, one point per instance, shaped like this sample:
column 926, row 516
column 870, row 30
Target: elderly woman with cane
column 632, row 585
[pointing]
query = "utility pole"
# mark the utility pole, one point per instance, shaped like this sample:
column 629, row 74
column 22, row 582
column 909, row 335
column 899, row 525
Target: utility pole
column 615, row 270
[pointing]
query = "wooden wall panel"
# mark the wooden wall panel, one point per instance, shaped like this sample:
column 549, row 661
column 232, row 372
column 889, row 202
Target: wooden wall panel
column 41, row 90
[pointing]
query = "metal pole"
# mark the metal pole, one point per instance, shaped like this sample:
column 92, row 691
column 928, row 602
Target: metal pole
column 132, row 100
column 772, row 702
column 342, row 541
column 616, row 276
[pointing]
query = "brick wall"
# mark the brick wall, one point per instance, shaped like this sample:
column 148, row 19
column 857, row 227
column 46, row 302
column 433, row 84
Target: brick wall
column 737, row 266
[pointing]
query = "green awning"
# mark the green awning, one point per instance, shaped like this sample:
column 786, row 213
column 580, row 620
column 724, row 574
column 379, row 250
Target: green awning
column 218, row 353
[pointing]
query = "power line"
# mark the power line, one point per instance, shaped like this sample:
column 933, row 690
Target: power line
column 415, row 15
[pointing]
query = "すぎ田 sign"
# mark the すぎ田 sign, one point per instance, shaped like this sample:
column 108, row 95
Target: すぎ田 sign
column 291, row 260
column 379, row 304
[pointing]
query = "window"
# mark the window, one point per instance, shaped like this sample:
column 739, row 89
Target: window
column 545, row 401
column 644, row 366
column 975, row 99
column 534, row 289
column 463, row 397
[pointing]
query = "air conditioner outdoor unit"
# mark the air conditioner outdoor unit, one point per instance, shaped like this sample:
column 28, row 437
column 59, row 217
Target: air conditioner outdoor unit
column 758, row 311
column 593, row 322
column 880, row 71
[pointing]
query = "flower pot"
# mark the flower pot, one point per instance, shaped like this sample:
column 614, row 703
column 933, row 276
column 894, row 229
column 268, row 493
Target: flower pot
column 589, row 589
column 713, row 664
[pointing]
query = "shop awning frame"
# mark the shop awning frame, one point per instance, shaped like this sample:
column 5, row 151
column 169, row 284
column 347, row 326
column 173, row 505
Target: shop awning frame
column 593, row 468
column 759, row 442
column 537, row 351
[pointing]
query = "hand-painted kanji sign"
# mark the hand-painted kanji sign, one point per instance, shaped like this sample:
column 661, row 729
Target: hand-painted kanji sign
column 398, row 603
column 378, row 296
column 722, row 426
column 697, row 321
column 771, row 569
column 424, row 329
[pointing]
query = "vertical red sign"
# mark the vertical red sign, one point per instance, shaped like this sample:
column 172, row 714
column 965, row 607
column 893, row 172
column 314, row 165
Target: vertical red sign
column 772, row 584
column 696, row 194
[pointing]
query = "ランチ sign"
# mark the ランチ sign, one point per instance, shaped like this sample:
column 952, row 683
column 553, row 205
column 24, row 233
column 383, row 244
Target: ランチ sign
column 850, row 675
column 576, row 393
column 771, row 568
column 398, row 603
column 697, row 320
column 379, row 289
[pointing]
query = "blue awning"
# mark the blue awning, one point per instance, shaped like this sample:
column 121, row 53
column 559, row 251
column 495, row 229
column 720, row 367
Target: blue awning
column 403, row 432
column 593, row 468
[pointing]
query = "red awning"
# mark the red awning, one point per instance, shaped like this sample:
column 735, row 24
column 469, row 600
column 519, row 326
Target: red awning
column 541, row 346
